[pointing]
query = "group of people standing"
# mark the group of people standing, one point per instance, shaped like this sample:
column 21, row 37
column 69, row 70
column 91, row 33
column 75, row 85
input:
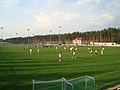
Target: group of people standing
column 31, row 51
column 72, row 50
column 96, row 51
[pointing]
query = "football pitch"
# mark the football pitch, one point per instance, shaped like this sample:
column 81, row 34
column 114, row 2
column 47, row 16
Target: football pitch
column 18, row 67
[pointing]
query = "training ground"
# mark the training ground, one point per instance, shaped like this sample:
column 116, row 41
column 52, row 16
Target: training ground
column 18, row 68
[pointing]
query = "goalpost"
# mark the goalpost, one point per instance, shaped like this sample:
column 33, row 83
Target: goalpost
column 80, row 83
column 60, row 84
column 83, row 83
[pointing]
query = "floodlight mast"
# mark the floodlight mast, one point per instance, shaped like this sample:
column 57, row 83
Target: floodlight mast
column 16, row 38
column 1, row 32
column 59, row 35
column 100, row 36
column 50, row 36
column 32, row 38
column 28, row 35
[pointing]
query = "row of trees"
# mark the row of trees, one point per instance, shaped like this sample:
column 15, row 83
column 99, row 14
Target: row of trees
column 105, row 35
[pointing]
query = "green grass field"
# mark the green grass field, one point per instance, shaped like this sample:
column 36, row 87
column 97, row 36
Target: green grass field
column 18, row 68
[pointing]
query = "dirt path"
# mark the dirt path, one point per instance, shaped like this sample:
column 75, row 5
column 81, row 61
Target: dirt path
column 117, row 87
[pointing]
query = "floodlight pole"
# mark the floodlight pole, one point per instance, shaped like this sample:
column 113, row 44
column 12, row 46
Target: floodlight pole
column 33, row 38
column 1, row 32
column 16, row 38
column 28, row 35
column 100, row 36
column 50, row 36
column 59, row 34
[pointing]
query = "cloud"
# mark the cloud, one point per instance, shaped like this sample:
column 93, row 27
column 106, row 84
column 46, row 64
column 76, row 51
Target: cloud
column 100, row 19
column 45, row 14
column 46, row 20
column 53, row 2
column 65, row 15
column 8, row 3
column 80, row 3
column 43, row 20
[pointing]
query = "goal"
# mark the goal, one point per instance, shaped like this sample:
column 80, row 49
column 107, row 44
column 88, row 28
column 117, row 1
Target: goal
column 80, row 83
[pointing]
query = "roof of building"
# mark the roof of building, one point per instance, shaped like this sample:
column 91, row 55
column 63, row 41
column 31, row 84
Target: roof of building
column 80, row 38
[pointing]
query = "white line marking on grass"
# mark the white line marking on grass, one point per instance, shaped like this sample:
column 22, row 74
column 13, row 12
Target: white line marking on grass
column 107, row 73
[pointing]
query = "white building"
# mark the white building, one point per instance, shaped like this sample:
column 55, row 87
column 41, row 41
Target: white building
column 80, row 41
column 103, row 43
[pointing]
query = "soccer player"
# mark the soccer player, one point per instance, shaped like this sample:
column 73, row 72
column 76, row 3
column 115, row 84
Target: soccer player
column 30, row 51
column 56, row 48
column 96, row 52
column 76, row 49
column 71, row 49
column 103, row 49
column 74, row 55
column 91, row 52
column 64, row 48
column 38, row 50
column 60, row 57
column 88, row 49
column 102, row 52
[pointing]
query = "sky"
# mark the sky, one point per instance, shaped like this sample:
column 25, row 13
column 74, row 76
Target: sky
column 43, row 17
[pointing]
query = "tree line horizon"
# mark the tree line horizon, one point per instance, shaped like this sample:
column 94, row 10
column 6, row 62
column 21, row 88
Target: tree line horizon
column 106, row 35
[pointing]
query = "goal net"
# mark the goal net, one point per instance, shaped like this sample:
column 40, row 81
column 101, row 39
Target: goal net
column 81, row 83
